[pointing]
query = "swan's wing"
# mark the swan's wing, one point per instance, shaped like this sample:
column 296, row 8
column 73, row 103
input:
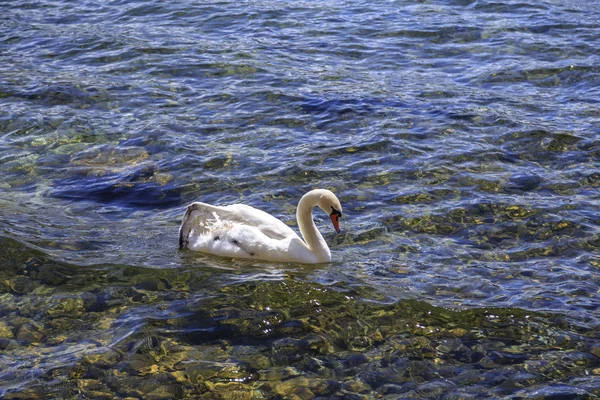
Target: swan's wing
column 206, row 219
column 266, row 223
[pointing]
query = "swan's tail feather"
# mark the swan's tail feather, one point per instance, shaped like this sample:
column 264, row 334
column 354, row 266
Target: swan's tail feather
column 200, row 219
column 186, row 226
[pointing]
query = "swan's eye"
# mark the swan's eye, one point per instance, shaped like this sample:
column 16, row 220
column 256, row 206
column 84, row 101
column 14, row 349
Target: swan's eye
column 335, row 212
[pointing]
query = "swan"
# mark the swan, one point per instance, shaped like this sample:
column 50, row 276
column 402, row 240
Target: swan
column 241, row 231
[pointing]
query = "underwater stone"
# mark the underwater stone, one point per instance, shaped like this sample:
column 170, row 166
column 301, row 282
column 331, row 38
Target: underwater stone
column 153, row 285
column 219, row 372
column 487, row 363
column 78, row 370
column 325, row 387
column 50, row 274
column 286, row 388
column 355, row 359
column 6, row 331
column 175, row 355
column 390, row 388
column 316, row 366
column 172, row 391
column 379, row 377
column 66, row 307
column 103, row 360
column 356, row 386
column 179, row 376
column 252, row 355
column 8, row 344
column 137, row 364
column 525, row 182
column 22, row 285
column 31, row 332
column 319, row 344
column 450, row 346
column 502, row 358
column 104, row 300
column 288, row 351
column 4, row 287
column 94, row 372
column 468, row 377
column 303, row 393
column 359, row 343
column 458, row 332
column 230, row 391
column 236, row 373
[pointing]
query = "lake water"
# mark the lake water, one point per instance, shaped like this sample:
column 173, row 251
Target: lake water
column 462, row 138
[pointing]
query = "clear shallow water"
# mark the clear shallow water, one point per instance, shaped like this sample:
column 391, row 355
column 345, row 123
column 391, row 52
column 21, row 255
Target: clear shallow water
column 463, row 139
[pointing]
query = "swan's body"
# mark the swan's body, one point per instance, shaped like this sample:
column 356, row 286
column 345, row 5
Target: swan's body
column 242, row 231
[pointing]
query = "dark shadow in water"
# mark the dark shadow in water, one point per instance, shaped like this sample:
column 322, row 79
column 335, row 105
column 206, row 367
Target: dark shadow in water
column 135, row 190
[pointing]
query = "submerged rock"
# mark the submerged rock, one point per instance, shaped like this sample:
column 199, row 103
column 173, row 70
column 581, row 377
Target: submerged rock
column 23, row 285
column 31, row 332
column 325, row 387
column 6, row 331
column 287, row 388
column 139, row 364
column 524, row 182
column 66, row 307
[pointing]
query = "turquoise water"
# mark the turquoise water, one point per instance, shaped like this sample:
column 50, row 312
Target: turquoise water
column 462, row 138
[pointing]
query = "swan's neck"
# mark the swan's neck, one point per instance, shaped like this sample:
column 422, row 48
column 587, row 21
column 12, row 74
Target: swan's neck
column 312, row 237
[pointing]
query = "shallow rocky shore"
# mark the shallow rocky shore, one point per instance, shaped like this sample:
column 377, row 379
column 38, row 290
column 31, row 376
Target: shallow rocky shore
column 133, row 333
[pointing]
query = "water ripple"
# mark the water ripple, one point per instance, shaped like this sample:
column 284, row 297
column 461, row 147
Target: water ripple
column 461, row 137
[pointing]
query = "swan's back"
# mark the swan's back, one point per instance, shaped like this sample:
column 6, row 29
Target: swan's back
column 239, row 231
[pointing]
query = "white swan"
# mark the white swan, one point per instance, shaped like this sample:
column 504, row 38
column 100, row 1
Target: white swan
column 242, row 231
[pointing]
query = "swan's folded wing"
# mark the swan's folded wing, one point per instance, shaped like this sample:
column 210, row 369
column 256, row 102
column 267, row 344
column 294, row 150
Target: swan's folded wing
column 204, row 218
column 266, row 223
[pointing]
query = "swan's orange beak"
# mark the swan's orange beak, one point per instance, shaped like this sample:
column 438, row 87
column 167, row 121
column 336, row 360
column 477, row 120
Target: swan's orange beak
column 335, row 218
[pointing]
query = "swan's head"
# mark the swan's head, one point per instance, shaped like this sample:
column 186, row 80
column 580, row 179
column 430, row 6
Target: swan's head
column 329, row 203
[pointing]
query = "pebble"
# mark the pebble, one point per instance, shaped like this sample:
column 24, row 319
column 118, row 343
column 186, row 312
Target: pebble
column 287, row 387
column 503, row 358
column 458, row 332
column 230, row 391
column 6, row 331
column 105, row 359
column 138, row 364
column 8, row 344
column 390, row 388
column 468, row 377
column 23, row 285
column 66, row 307
column 356, row 386
column 31, row 332
column 325, row 387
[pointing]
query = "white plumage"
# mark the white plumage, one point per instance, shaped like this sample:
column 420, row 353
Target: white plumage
column 241, row 231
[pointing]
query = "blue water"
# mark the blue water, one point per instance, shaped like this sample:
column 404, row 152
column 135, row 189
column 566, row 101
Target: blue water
column 462, row 138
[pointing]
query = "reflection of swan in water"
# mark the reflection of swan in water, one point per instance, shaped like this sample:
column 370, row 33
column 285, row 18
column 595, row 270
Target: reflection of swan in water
column 242, row 231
